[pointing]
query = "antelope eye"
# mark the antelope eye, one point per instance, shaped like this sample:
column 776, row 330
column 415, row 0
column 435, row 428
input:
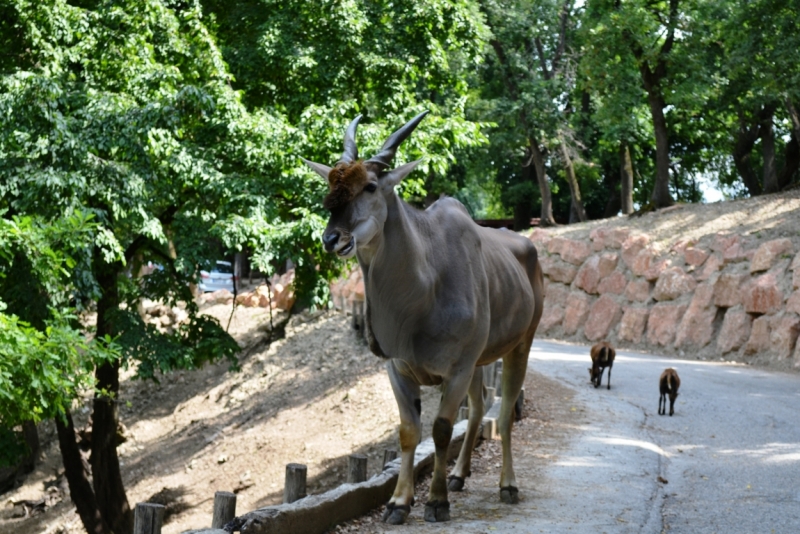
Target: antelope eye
column 371, row 187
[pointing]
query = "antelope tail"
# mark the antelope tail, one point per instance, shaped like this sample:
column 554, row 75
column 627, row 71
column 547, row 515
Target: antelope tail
column 669, row 382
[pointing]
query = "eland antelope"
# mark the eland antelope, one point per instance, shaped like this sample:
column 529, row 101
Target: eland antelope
column 444, row 296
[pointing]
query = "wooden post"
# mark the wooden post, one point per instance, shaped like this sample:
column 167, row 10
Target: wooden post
column 388, row 456
column 295, row 486
column 518, row 405
column 356, row 469
column 463, row 413
column 489, row 428
column 224, row 509
column 147, row 518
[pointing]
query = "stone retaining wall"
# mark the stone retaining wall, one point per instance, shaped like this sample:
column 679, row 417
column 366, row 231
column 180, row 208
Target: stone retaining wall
column 720, row 295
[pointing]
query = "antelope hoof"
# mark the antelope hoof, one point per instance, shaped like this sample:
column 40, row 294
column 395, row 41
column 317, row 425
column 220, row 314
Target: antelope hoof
column 509, row 495
column 395, row 514
column 437, row 511
column 455, row 483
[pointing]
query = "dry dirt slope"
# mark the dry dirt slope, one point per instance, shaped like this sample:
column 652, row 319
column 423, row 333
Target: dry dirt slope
column 314, row 398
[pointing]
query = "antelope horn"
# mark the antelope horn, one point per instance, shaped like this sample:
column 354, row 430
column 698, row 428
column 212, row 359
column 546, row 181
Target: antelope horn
column 386, row 155
column 350, row 149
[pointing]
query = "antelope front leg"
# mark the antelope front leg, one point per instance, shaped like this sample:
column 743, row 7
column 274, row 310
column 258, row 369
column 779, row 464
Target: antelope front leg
column 515, row 365
column 406, row 392
column 455, row 482
column 438, row 507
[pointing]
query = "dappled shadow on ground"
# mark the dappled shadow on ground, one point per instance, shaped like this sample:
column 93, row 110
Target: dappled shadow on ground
column 550, row 419
column 313, row 398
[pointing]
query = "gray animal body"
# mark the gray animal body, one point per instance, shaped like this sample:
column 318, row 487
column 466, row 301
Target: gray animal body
column 444, row 296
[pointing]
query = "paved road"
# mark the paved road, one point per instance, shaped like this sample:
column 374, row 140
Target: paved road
column 730, row 455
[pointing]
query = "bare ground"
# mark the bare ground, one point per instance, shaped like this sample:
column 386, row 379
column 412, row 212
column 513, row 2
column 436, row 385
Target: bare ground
column 314, row 397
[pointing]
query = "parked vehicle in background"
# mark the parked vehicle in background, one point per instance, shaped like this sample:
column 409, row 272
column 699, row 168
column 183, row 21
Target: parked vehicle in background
column 219, row 277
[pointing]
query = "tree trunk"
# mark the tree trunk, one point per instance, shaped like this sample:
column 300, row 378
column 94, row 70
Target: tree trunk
column 626, row 179
column 547, row 218
column 745, row 140
column 80, row 489
column 107, row 479
column 31, row 436
column 661, row 197
column 767, row 133
column 574, row 187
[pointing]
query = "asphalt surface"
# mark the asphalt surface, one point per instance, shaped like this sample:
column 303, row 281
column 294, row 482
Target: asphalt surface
column 729, row 459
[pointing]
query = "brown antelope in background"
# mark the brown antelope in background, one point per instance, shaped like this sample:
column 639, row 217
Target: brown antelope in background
column 603, row 355
column 444, row 296
column 668, row 384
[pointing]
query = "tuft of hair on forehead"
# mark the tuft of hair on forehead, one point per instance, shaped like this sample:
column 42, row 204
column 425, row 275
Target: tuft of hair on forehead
column 345, row 180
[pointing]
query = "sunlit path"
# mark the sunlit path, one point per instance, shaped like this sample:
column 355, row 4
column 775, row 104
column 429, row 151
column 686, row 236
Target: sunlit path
column 730, row 456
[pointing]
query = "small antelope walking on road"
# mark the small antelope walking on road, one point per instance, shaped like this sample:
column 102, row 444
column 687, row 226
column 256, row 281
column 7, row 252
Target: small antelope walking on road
column 603, row 355
column 668, row 384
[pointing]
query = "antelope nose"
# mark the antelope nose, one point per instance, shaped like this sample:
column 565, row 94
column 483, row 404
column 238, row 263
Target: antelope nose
column 330, row 240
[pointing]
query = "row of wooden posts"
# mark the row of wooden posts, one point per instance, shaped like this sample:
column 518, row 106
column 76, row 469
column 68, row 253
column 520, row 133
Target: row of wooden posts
column 149, row 517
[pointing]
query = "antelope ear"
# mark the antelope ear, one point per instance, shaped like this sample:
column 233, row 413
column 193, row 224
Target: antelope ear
column 393, row 177
column 319, row 168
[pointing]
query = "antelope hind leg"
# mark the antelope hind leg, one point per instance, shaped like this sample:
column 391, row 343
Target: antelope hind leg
column 438, row 507
column 455, row 482
column 515, row 364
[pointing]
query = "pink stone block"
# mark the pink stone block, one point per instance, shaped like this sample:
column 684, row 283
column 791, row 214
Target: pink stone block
column 638, row 291
column 614, row 284
column 697, row 325
column 672, row 283
column 711, row 266
column 759, row 336
column 642, row 261
column 783, row 334
column 631, row 248
column 768, row 253
column 631, row 327
column 727, row 290
column 735, row 330
column 589, row 275
column 723, row 241
column 695, row 256
column 551, row 318
column 575, row 313
column 608, row 262
column 557, row 270
column 603, row 314
column 762, row 295
column 663, row 323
